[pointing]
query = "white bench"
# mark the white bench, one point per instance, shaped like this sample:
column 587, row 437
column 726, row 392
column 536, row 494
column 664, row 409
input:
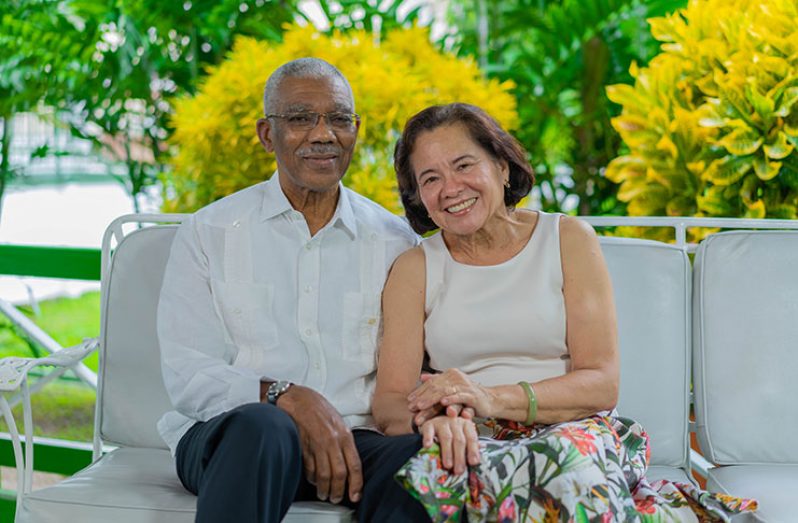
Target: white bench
column 652, row 283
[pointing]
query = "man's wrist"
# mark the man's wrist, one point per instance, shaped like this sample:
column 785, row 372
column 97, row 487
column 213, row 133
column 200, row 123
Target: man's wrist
column 264, row 390
column 276, row 389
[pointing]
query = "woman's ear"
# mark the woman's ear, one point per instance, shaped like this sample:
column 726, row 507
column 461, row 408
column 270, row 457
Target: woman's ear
column 504, row 169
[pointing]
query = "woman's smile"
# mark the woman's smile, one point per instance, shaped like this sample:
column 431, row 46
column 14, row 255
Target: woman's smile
column 459, row 208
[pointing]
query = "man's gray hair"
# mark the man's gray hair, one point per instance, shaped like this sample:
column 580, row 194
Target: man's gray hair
column 309, row 67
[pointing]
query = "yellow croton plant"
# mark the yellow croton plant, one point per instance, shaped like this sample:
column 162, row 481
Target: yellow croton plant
column 712, row 123
column 217, row 151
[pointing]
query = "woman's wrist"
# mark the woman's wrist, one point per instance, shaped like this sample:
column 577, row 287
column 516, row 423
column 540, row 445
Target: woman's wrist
column 532, row 403
column 511, row 403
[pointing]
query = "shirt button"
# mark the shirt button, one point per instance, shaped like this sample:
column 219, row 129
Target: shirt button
column 317, row 365
column 308, row 288
column 373, row 237
column 308, row 332
column 236, row 311
column 308, row 246
column 236, row 224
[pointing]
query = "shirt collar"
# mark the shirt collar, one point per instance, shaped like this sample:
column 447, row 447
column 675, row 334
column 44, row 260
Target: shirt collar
column 276, row 203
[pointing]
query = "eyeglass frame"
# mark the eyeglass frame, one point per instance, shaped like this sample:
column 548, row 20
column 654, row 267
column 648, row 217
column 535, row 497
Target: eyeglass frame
column 356, row 120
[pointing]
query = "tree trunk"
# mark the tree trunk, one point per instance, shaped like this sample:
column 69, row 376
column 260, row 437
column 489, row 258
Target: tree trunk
column 587, row 158
column 483, row 33
column 5, row 162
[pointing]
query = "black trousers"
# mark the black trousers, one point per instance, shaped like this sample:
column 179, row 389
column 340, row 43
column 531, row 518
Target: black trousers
column 245, row 465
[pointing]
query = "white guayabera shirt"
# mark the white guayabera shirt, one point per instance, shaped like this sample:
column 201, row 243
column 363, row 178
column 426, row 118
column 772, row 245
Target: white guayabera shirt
column 248, row 295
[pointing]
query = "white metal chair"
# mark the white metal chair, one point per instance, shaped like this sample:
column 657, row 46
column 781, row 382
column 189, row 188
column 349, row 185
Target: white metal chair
column 746, row 366
column 136, row 482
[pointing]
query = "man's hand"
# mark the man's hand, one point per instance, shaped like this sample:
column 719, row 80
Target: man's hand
column 328, row 448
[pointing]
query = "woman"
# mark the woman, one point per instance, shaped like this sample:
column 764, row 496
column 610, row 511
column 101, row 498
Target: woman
column 514, row 309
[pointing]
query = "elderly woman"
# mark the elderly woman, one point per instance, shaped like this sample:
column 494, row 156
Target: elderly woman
column 514, row 310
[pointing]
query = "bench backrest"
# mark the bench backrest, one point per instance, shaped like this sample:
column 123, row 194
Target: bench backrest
column 745, row 346
column 131, row 395
column 651, row 284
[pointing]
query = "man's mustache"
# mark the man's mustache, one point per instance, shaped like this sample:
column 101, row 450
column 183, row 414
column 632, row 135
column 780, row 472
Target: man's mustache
column 320, row 150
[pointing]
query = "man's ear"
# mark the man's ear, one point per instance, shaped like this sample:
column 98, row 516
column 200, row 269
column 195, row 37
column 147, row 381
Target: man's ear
column 264, row 128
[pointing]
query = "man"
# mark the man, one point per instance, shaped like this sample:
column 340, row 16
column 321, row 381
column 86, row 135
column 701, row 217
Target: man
column 268, row 321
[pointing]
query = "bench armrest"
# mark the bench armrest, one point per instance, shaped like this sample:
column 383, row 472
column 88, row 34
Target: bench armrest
column 14, row 377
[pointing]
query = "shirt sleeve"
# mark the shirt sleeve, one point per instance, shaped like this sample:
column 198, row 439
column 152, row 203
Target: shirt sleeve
column 196, row 359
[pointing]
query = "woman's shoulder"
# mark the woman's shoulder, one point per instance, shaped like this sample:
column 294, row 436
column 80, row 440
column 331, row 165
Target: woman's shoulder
column 409, row 263
column 411, row 256
column 408, row 273
column 579, row 245
column 574, row 229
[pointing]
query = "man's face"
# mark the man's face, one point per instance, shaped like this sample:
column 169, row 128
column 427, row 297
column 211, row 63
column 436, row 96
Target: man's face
column 309, row 160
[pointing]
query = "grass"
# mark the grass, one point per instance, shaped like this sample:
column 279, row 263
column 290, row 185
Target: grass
column 67, row 320
column 63, row 409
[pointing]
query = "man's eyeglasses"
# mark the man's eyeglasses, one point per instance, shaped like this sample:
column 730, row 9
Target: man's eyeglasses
column 304, row 121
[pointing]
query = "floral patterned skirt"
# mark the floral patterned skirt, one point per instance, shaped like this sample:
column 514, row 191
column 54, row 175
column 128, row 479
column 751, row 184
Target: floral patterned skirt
column 583, row 471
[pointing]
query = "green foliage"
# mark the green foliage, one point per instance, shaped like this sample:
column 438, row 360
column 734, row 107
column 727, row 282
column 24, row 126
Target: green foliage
column 32, row 62
column 712, row 122
column 110, row 67
column 560, row 55
column 392, row 79
column 376, row 18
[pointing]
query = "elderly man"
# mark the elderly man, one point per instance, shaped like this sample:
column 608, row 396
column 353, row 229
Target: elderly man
column 268, row 322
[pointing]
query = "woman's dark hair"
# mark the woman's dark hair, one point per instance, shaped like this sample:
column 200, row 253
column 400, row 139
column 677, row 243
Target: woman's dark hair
column 484, row 130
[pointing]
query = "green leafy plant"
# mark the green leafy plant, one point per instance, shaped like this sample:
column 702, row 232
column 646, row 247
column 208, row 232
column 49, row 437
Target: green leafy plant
column 111, row 67
column 712, row 122
column 560, row 54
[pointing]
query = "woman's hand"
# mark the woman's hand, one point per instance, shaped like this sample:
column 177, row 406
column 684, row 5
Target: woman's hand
column 453, row 411
column 457, row 438
column 451, row 388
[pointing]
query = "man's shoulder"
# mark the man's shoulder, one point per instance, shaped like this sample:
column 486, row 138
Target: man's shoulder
column 378, row 219
column 232, row 207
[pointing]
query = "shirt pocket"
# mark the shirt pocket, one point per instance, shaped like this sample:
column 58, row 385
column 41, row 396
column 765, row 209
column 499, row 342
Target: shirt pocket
column 361, row 325
column 246, row 310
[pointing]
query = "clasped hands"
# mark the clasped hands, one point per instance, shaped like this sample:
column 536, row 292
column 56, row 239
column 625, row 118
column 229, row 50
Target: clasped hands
column 443, row 408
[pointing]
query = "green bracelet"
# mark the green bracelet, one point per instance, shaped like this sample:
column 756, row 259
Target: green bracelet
column 533, row 403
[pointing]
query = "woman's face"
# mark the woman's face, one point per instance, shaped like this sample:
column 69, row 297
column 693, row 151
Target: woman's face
column 460, row 184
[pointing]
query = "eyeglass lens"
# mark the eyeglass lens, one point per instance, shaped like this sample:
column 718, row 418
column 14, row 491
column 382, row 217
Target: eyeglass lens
column 309, row 120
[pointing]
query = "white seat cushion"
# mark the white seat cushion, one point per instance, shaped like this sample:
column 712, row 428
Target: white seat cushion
column 132, row 485
column 774, row 486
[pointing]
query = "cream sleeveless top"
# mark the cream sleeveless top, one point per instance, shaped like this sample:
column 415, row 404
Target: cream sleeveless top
column 501, row 323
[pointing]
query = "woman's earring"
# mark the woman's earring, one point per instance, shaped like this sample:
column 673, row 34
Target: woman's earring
column 507, row 183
